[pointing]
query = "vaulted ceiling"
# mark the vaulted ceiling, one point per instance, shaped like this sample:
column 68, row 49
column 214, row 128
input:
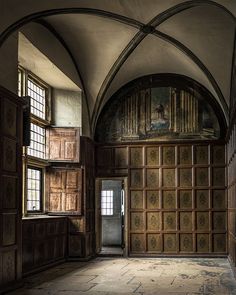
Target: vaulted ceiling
column 112, row 42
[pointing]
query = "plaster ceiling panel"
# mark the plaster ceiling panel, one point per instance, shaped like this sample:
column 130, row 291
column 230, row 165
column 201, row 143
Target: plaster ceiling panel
column 96, row 43
column 155, row 56
column 209, row 33
column 140, row 10
column 34, row 60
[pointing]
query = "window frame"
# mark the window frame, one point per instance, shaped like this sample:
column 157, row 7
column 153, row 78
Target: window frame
column 106, row 208
column 30, row 161
column 41, row 190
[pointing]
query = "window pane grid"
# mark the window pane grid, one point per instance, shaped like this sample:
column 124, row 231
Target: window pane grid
column 107, row 202
column 38, row 100
column 37, row 141
column 34, row 178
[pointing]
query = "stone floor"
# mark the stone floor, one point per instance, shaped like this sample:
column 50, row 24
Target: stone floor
column 160, row 276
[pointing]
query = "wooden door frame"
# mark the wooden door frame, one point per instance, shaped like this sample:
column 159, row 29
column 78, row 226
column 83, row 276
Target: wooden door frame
column 98, row 228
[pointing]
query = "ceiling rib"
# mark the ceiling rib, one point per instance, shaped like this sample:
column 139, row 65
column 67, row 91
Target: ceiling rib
column 150, row 29
column 54, row 32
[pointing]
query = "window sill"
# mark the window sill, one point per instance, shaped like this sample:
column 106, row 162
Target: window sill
column 42, row 216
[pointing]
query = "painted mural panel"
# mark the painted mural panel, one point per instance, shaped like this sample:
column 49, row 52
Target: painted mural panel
column 157, row 113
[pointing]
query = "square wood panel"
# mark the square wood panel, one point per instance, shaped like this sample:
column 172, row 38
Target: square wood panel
column 55, row 202
column 136, row 178
column 153, row 221
column 168, row 155
column 137, row 242
column 185, row 155
column 185, row 220
column 152, row 156
column 104, row 157
column 121, row 157
column 185, row 177
column 186, row 242
column 218, row 199
column 202, row 219
column 136, row 156
column 170, row 244
column 75, row 245
column 76, row 224
column 137, row 221
column 202, row 177
column 152, row 178
column 9, row 192
column 169, row 220
column 154, row 243
column 201, row 154
column 153, row 199
column 218, row 155
column 202, row 199
column 136, row 199
column 218, row 176
column 169, row 199
column 202, row 243
column 219, row 243
column 168, row 177
column 9, row 118
column 219, row 220
column 185, row 199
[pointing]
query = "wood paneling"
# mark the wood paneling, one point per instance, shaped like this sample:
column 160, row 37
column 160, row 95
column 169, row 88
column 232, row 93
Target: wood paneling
column 44, row 242
column 11, row 125
column 63, row 144
column 176, row 205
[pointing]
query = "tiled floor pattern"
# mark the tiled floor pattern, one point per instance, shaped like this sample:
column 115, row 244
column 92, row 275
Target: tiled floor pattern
column 160, row 276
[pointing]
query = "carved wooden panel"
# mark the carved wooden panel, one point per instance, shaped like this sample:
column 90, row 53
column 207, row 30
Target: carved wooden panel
column 137, row 221
column 185, row 177
column 169, row 199
column 75, row 245
column 136, row 178
column 154, row 243
column 9, row 154
column 121, row 157
column 185, row 221
column 136, row 156
column 168, row 155
column 152, row 156
column 9, row 190
column 137, row 243
column 185, row 155
column 218, row 199
column 218, row 156
column 219, row 222
column 185, row 199
column 168, row 177
column 201, row 154
column 104, row 157
column 63, row 144
column 152, row 178
column 169, row 220
column 65, row 190
column 202, row 199
column 9, row 229
column 186, row 243
column 202, row 221
column 9, row 118
column 203, row 243
column 136, row 199
column 153, row 221
column 153, row 199
column 218, row 177
column 202, row 177
column 170, row 243
column 219, row 242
